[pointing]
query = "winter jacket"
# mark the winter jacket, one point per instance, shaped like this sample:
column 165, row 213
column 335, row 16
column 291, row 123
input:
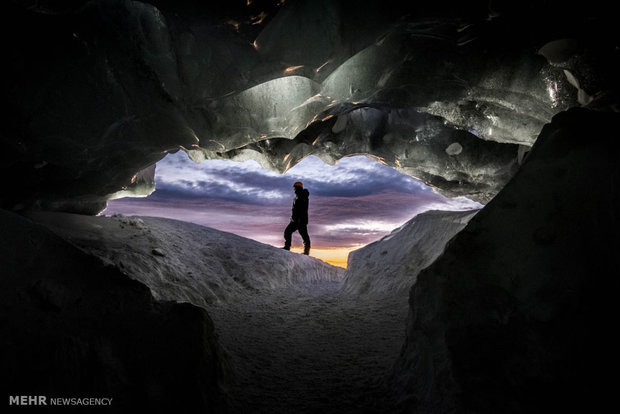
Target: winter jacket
column 300, row 206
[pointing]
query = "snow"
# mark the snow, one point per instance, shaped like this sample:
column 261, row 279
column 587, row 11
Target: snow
column 75, row 327
column 186, row 262
column 294, row 339
column 312, row 350
column 391, row 265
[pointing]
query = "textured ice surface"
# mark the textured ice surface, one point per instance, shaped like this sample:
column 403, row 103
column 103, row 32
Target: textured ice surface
column 102, row 94
column 516, row 311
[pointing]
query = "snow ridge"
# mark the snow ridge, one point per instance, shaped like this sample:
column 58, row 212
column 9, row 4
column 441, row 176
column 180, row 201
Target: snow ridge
column 392, row 263
column 186, row 262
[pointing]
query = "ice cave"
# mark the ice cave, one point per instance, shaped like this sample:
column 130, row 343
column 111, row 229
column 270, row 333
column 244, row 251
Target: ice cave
column 503, row 309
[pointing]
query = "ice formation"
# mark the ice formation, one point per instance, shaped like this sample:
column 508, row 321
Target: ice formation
column 515, row 316
column 121, row 83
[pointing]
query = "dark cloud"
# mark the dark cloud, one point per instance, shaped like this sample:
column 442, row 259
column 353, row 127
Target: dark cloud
column 210, row 191
column 351, row 177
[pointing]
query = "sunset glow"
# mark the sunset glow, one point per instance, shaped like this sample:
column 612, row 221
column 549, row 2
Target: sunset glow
column 336, row 256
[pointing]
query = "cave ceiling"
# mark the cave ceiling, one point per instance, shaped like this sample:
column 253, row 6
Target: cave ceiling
column 453, row 94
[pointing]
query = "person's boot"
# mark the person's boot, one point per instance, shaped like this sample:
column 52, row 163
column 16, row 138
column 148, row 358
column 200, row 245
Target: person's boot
column 307, row 250
column 286, row 248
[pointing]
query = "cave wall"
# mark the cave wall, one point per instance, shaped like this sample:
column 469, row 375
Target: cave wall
column 518, row 314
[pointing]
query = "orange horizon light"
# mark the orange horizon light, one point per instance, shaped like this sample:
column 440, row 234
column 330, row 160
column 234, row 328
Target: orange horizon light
column 334, row 256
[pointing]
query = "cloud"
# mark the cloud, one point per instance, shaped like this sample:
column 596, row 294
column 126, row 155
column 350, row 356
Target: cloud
column 352, row 203
column 248, row 182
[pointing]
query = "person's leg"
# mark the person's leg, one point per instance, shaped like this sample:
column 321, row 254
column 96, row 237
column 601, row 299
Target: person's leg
column 303, row 232
column 288, row 234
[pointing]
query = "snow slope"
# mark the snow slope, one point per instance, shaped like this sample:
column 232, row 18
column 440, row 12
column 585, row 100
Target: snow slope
column 392, row 263
column 187, row 262
column 74, row 327
column 294, row 340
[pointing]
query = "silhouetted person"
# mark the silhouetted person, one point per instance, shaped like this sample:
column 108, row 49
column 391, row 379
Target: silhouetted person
column 299, row 218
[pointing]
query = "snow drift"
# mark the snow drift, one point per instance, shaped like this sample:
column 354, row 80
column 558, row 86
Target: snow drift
column 187, row 262
column 294, row 341
column 393, row 263
column 74, row 327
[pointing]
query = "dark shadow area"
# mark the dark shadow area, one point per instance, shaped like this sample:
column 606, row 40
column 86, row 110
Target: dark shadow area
column 73, row 327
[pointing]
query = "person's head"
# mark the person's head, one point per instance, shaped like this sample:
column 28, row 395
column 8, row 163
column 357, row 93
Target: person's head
column 298, row 185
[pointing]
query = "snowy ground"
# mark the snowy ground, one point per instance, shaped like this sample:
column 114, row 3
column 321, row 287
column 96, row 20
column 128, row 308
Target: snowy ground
column 312, row 350
column 297, row 342
column 187, row 262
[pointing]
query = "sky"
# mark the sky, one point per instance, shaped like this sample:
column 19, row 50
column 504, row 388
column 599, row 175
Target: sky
column 353, row 203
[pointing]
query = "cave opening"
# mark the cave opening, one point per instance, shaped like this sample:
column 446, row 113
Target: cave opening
column 316, row 335
column 354, row 202
column 295, row 332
